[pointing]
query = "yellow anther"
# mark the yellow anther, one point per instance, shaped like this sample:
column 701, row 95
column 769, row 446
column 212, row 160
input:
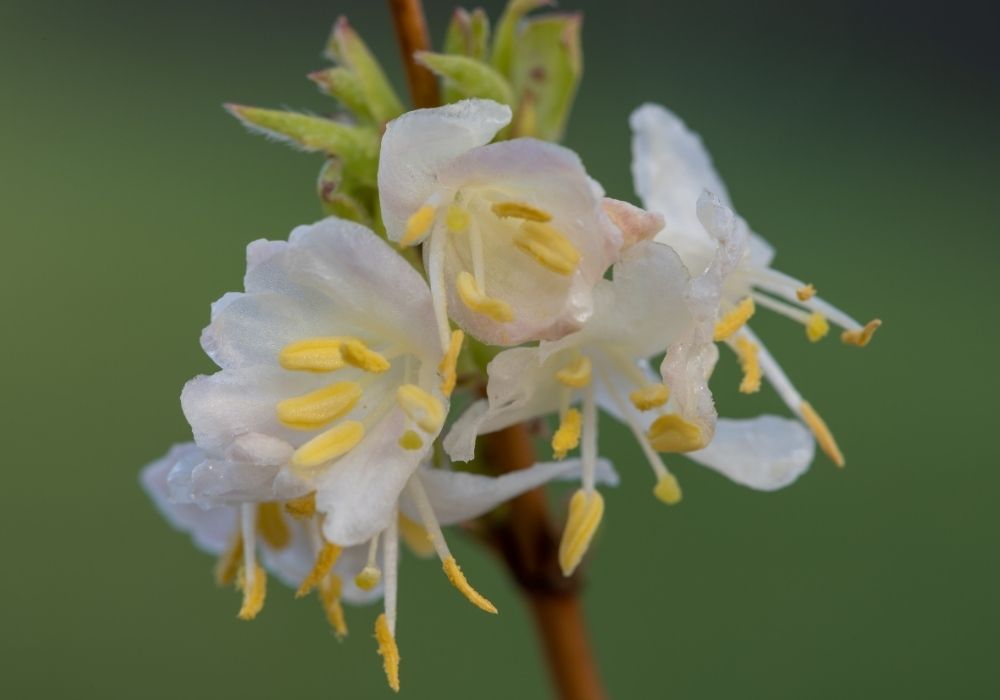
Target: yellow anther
column 746, row 352
column 806, row 293
column 418, row 225
column 585, row 512
column 457, row 219
column 325, row 560
column 317, row 408
column 229, row 561
column 254, row 592
column 671, row 433
column 650, row 397
column 734, row 319
column 271, row 526
column 420, row 407
column 303, row 507
column 416, row 537
column 328, row 445
column 576, row 374
column 862, row 336
column 568, row 436
column 458, row 580
column 359, row 355
column 548, row 247
column 520, row 210
column 313, row 355
column 409, row 440
column 329, row 596
column 823, row 435
column 667, row 489
column 817, row 327
column 388, row 650
column 477, row 301
column 368, row 578
column 448, row 369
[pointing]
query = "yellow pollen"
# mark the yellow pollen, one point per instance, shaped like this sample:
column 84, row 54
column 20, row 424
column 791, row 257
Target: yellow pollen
column 329, row 596
column 817, row 327
column 313, row 355
column 667, row 489
column 388, row 650
column 671, row 433
column 576, row 374
column 418, row 225
column 862, row 336
column 303, row 507
column 448, row 369
column 229, row 562
column 477, row 301
column 567, row 437
column 823, row 435
column 409, row 440
column 806, row 293
column 328, row 445
column 734, row 319
column 357, row 354
column 271, row 525
column 746, row 352
column 650, row 397
column 548, row 247
column 368, row 578
column 253, row 594
column 520, row 210
column 325, row 560
column 416, row 537
column 585, row 512
column 457, row 219
column 317, row 408
column 420, row 407
column 458, row 580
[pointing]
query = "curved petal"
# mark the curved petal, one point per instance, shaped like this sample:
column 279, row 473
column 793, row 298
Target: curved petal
column 636, row 224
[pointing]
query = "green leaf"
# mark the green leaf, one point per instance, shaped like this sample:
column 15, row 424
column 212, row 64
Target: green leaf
column 467, row 76
column 503, row 40
column 347, row 49
column 344, row 86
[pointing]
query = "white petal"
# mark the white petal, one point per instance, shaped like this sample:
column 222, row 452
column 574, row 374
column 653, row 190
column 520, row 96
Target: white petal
column 636, row 224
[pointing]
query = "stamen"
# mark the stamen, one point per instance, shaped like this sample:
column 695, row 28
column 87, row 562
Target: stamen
column 862, row 336
column 805, row 293
column 650, row 397
column 734, row 319
column 359, row 355
column 548, row 247
column 817, row 327
column 567, row 437
column 458, row 580
column 420, row 407
column 477, row 301
column 329, row 596
column 823, row 435
column 254, row 589
column 313, row 355
column 448, row 369
column 416, row 537
column 317, row 408
column 410, row 440
column 303, row 507
column 368, row 578
column 667, row 489
column 331, row 444
column 388, row 650
column 746, row 352
column 228, row 563
column 585, row 512
column 271, row 525
column 325, row 559
column 577, row 374
column 457, row 219
column 418, row 225
column 671, row 433
column 520, row 210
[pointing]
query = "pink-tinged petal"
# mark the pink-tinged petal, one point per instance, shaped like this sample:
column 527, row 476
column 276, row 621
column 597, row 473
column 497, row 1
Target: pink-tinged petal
column 635, row 224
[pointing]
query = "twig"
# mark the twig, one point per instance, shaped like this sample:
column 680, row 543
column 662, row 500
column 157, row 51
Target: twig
column 411, row 32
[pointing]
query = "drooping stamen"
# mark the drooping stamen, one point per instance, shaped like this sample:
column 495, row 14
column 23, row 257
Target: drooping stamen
column 817, row 327
column 567, row 437
column 805, row 293
column 746, row 352
column 548, row 247
column 325, row 560
column 385, row 625
column 329, row 596
column 576, row 374
column 302, row 507
column 823, row 435
column 418, row 225
column 668, row 490
column 477, row 301
column 420, row 407
column 454, row 573
column 672, row 433
column 228, row 564
column 371, row 574
column 416, row 537
column 448, row 369
column 251, row 578
column 457, row 219
column 272, row 526
column 313, row 355
column 388, row 650
column 585, row 511
column 734, row 319
column 862, row 336
column 335, row 442
column 410, row 440
column 317, row 408
column 650, row 396
column 520, row 210
column 359, row 355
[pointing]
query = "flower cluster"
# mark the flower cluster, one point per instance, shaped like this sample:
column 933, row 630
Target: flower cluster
column 457, row 245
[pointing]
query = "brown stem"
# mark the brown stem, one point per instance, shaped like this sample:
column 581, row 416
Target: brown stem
column 411, row 32
column 530, row 545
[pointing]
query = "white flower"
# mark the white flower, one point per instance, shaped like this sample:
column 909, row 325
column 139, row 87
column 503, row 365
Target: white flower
column 514, row 233
column 671, row 168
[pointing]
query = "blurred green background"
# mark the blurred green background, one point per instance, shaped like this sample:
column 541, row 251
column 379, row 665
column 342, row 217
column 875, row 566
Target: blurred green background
column 863, row 141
